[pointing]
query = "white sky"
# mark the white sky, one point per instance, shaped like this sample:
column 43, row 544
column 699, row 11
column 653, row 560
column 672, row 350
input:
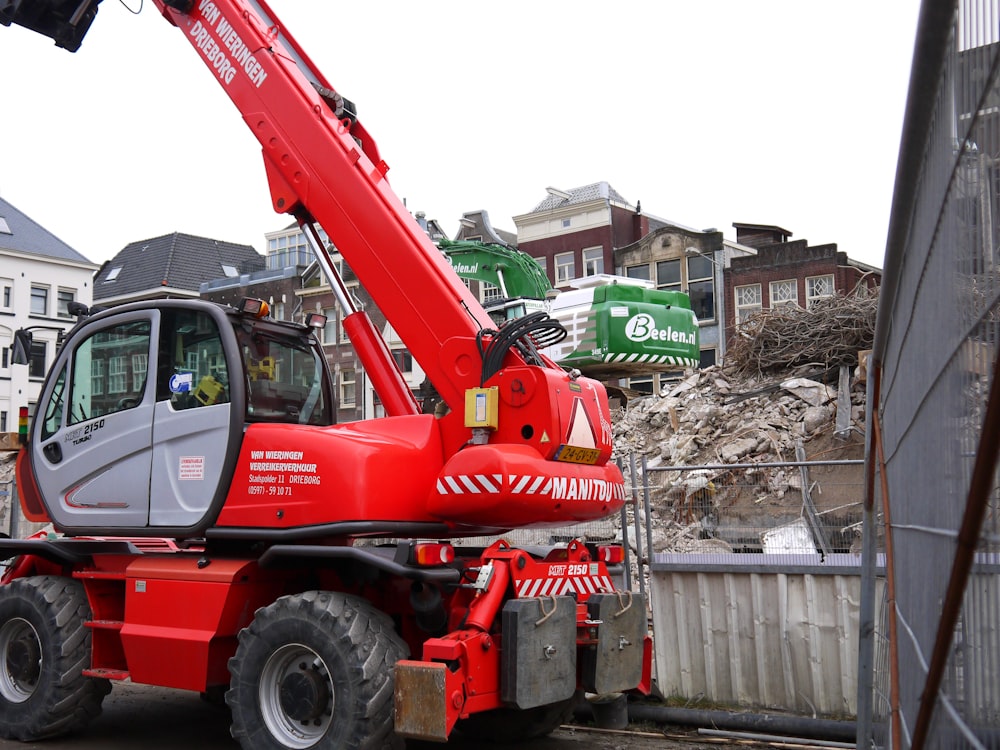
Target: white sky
column 709, row 112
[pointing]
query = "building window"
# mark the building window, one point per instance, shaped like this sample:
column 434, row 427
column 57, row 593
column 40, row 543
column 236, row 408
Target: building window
column 140, row 364
column 818, row 287
column 113, row 273
column 490, row 292
column 694, row 279
column 566, row 223
column 564, row 267
column 291, row 249
column 668, row 275
column 347, row 387
column 638, row 272
column 117, row 374
column 344, row 338
column 6, row 295
column 707, row 358
column 543, row 264
column 36, row 364
column 330, row 330
column 97, row 377
column 404, row 360
column 3, row 421
column 748, row 300
column 701, row 287
column 65, row 296
column 39, row 300
column 784, row 292
column 593, row 261
column 699, row 267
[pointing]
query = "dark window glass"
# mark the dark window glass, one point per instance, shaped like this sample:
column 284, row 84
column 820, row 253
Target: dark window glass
column 702, row 294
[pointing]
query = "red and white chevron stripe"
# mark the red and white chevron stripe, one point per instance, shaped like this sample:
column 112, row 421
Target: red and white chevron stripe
column 585, row 585
column 473, row 484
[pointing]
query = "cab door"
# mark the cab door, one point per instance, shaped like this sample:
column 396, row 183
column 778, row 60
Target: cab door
column 92, row 451
column 195, row 435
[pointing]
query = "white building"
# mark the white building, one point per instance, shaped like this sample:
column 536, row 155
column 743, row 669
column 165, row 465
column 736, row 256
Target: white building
column 40, row 275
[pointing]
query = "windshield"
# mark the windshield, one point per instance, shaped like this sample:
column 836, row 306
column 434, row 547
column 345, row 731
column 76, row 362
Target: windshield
column 285, row 378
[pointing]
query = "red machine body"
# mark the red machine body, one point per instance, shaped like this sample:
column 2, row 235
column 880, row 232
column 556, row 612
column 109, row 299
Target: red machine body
column 245, row 543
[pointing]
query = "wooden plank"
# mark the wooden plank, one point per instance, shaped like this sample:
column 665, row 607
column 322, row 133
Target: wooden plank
column 9, row 441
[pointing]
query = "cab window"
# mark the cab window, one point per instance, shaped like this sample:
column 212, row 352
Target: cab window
column 285, row 377
column 110, row 369
column 54, row 409
column 191, row 369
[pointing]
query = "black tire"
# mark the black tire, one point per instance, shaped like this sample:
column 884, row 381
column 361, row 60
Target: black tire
column 315, row 670
column 44, row 648
column 509, row 725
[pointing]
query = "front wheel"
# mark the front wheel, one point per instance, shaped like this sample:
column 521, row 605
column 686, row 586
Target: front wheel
column 315, row 670
column 44, row 648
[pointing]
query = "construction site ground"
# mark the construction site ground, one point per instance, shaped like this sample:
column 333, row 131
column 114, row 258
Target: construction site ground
column 156, row 718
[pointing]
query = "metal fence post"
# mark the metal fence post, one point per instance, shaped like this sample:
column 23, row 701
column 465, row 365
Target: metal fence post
column 639, row 561
column 627, row 562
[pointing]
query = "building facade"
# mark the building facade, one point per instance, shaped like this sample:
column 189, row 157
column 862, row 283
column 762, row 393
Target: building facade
column 575, row 233
column 40, row 277
column 783, row 272
column 692, row 261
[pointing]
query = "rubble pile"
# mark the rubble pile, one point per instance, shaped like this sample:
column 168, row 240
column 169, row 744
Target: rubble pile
column 6, row 488
column 775, row 395
column 713, row 418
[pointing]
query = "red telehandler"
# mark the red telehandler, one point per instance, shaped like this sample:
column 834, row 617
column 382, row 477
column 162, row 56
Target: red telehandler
column 208, row 516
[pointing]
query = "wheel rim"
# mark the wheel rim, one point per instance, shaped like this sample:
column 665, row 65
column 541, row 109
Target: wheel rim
column 21, row 652
column 296, row 696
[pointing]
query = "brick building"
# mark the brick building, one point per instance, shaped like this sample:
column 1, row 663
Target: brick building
column 785, row 272
column 574, row 233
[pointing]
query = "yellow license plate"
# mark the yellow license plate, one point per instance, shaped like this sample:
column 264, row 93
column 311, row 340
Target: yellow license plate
column 572, row 454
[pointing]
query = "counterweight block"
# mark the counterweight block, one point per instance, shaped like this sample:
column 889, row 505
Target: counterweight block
column 615, row 663
column 539, row 651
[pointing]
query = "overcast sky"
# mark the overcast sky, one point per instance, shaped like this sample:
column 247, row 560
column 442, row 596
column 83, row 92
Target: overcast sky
column 708, row 112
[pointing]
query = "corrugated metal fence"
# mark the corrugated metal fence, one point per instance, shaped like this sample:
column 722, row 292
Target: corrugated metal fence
column 777, row 632
column 931, row 674
column 753, row 579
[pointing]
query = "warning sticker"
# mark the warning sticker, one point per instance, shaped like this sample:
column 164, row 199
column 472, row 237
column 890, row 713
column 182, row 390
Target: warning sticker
column 192, row 467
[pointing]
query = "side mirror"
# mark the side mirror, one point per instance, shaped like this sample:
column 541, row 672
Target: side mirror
column 21, row 348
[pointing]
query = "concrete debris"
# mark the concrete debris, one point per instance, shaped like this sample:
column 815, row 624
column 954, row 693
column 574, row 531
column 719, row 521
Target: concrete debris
column 813, row 393
column 697, row 422
column 714, row 419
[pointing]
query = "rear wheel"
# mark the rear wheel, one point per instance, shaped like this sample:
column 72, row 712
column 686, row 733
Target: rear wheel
column 315, row 670
column 44, row 648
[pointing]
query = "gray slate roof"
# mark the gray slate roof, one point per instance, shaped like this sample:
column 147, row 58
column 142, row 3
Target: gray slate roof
column 583, row 194
column 176, row 261
column 28, row 236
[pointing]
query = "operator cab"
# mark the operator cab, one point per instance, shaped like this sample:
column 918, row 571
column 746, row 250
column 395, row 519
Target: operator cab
column 142, row 416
